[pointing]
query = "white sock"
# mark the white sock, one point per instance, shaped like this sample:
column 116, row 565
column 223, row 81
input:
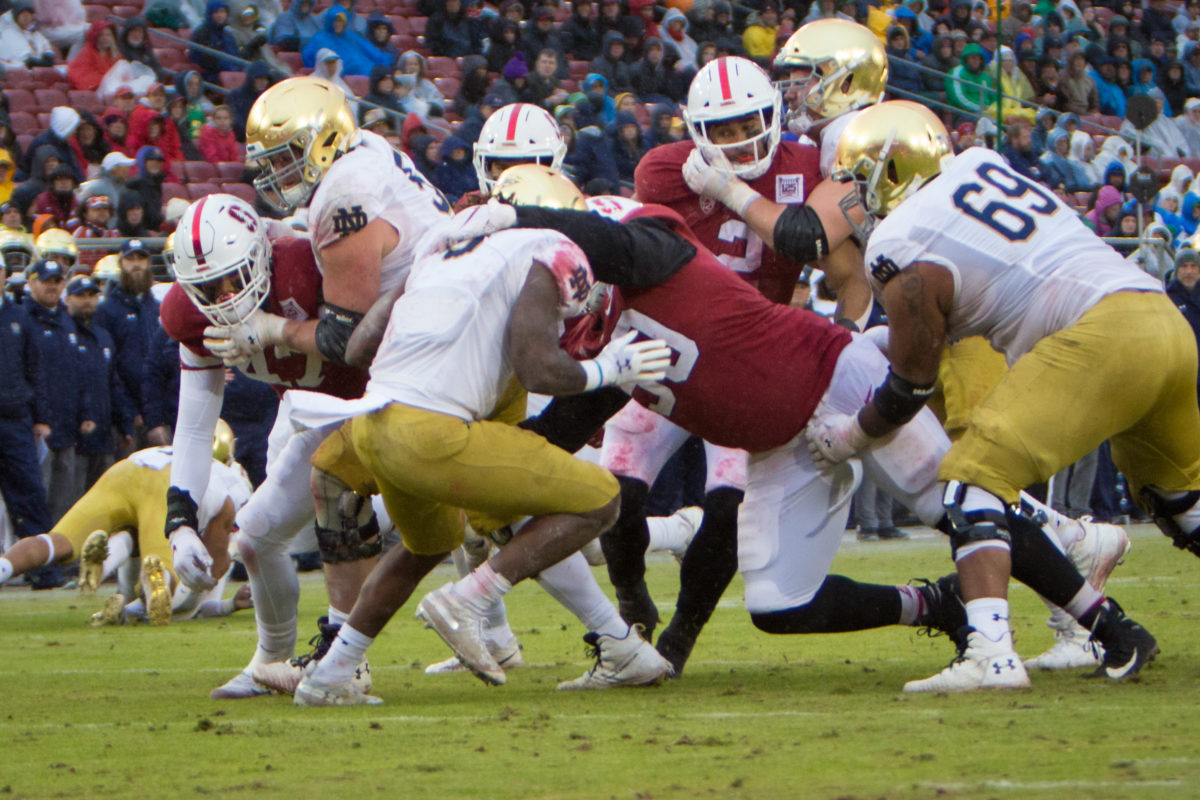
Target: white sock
column 276, row 640
column 1189, row 520
column 1083, row 601
column 347, row 650
column 6, row 569
column 276, row 592
column 120, row 548
column 989, row 617
column 481, row 588
column 572, row 584
column 911, row 605
column 495, row 625
column 135, row 609
column 336, row 617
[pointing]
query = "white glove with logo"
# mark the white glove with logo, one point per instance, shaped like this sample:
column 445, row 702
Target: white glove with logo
column 237, row 344
column 834, row 438
column 624, row 361
column 467, row 224
column 716, row 180
column 192, row 561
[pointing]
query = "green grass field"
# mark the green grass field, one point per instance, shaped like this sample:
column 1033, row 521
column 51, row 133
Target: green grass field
column 125, row 711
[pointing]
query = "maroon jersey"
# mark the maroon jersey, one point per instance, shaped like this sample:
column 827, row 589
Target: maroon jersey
column 745, row 372
column 295, row 294
column 794, row 173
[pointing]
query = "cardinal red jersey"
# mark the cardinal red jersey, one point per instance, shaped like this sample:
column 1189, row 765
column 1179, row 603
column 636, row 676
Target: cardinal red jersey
column 793, row 174
column 745, row 372
column 295, row 294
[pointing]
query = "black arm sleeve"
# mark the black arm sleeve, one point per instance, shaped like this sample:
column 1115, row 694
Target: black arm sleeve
column 568, row 422
column 333, row 332
column 642, row 252
column 799, row 235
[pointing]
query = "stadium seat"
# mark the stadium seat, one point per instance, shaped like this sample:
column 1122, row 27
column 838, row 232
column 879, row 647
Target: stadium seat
column 85, row 101
column 19, row 99
column 416, row 25
column 232, row 79
column 447, row 86
column 43, row 120
column 198, row 190
column 49, row 98
column 359, row 84
column 441, row 67
column 230, row 171
column 23, row 122
column 170, row 57
column 294, row 60
column 399, row 23
column 95, row 13
column 1193, row 164
column 569, row 85
column 24, row 140
column 20, row 79
column 172, row 190
column 578, row 69
column 404, row 42
column 199, row 171
column 243, row 190
column 49, row 78
column 126, row 12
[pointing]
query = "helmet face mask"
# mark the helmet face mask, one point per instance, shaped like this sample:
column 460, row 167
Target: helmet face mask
column 734, row 90
column 222, row 258
column 58, row 245
column 286, row 182
column 517, row 134
column 16, row 251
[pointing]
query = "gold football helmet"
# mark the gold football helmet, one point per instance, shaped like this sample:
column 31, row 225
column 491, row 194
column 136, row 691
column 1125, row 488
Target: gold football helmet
column 168, row 253
column 16, row 251
column 295, row 131
column 536, row 185
column 58, row 245
column 890, row 151
column 224, row 443
column 108, row 269
column 847, row 68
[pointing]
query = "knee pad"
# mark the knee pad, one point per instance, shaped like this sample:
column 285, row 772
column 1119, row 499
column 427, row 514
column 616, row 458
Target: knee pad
column 972, row 526
column 1163, row 512
column 347, row 529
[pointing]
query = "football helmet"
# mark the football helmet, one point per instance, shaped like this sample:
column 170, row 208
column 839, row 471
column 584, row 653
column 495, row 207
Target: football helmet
column 168, row 253
column 520, row 133
column 224, row 443
column 294, row 132
column 221, row 236
column 59, row 245
column 730, row 88
column 537, row 185
column 612, row 206
column 890, row 151
column 17, row 251
column 847, row 69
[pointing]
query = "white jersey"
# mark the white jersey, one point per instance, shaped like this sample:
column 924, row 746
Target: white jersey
column 1024, row 265
column 223, row 482
column 370, row 181
column 831, row 134
column 444, row 345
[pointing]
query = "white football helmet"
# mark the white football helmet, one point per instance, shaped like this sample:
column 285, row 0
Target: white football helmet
column 727, row 89
column 222, row 236
column 612, row 206
column 520, row 133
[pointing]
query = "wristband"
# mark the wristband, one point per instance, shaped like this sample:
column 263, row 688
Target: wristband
column 739, row 196
column 593, row 373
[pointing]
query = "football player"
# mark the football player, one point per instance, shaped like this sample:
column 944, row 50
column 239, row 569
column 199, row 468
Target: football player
column 519, row 133
column 966, row 246
column 736, row 353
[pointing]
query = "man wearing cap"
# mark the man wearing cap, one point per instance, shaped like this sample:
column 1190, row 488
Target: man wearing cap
column 130, row 313
column 59, row 199
column 97, row 215
column 114, row 172
column 70, row 410
column 94, row 452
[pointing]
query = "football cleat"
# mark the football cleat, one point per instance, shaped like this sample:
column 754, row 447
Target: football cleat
column 627, row 661
column 462, row 629
column 507, row 656
column 1127, row 645
column 980, row 664
column 315, row 692
column 91, row 562
column 1073, row 646
column 1099, row 551
column 113, row 612
column 285, row 676
column 942, row 608
column 240, row 687
column 156, row 590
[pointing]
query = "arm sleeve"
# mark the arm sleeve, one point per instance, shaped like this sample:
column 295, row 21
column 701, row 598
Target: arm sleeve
column 568, row 422
column 642, row 252
column 201, row 390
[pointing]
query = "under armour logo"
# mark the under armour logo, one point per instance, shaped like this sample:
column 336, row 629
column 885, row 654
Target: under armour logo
column 348, row 222
column 996, row 665
column 624, row 365
column 999, row 618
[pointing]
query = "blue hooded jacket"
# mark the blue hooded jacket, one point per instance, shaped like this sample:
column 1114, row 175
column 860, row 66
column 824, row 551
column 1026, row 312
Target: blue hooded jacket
column 294, row 27
column 455, row 178
column 218, row 37
column 358, row 55
column 1147, row 87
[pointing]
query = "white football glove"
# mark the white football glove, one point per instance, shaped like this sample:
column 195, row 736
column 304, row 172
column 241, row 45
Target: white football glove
column 834, row 438
column 467, row 224
column 716, row 180
column 623, row 362
column 237, row 344
column 192, row 561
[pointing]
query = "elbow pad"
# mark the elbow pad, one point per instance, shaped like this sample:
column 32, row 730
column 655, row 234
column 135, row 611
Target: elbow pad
column 898, row 400
column 333, row 332
column 799, row 235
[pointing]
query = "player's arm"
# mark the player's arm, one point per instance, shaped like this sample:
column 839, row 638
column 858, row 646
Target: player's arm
column 570, row 422
column 364, row 341
column 844, row 274
column 201, row 391
column 543, row 367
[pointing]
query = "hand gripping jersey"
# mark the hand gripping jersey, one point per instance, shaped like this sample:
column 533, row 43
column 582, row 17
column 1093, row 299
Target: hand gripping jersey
column 295, row 294
column 745, row 373
column 372, row 181
column 1024, row 265
column 791, row 177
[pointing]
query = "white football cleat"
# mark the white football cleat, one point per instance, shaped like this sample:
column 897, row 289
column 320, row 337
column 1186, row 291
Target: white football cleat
column 91, row 562
column 982, row 664
column 1073, row 646
column 240, row 687
column 315, row 692
column 628, row 661
column 462, row 629
column 508, row 656
column 1098, row 552
column 285, row 676
column 692, row 517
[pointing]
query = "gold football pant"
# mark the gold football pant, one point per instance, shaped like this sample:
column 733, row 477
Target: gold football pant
column 1125, row 371
column 127, row 497
column 969, row 370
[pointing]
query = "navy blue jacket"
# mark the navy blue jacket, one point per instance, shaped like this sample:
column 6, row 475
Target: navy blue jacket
column 62, row 368
column 131, row 321
column 104, row 388
column 23, row 390
column 160, row 380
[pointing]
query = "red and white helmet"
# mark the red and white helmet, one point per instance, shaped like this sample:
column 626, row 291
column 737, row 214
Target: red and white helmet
column 221, row 235
column 729, row 88
column 612, row 206
column 520, row 133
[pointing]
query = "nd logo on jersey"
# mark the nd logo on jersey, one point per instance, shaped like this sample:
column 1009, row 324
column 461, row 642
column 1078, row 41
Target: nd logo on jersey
column 883, row 269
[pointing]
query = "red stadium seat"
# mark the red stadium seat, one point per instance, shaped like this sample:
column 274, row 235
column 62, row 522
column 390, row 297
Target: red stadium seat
column 198, row 190
column 49, row 98
column 95, row 13
column 23, row 122
column 404, row 42
column 441, row 67
column 49, row 78
column 85, row 101
column 21, row 79
column 242, row 190
column 170, row 57
column 199, row 171
column 172, row 190
column 399, row 23
column 43, row 120
column 416, row 25
column 230, row 171
column 447, row 86
column 19, row 99
column 359, row 84
column 294, row 60
column 578, row 69
column 126, row 12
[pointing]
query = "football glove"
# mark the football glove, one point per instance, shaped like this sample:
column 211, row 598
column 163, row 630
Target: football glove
column 192, row 561
column 834, row 438
column 237, row 344
column 623, row 362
